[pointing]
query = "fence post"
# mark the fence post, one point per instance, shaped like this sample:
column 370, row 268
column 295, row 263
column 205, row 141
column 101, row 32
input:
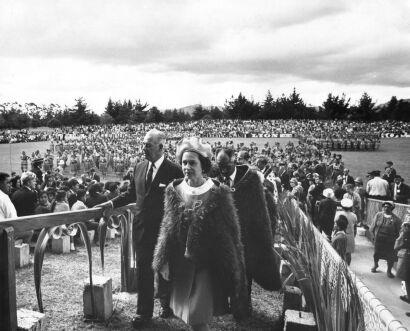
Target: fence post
column 8, row 309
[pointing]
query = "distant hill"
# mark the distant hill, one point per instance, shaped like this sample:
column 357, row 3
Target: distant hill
column 383, row 105
column 190, row 109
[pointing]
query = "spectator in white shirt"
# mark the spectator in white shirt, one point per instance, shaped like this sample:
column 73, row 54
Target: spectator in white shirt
column 7, row 209
column 377, row 188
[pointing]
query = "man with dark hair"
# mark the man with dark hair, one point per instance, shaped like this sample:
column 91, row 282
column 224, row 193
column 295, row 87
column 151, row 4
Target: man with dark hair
column 25, row 201
column 256, row 231
column 147, row 188
column 400, row 192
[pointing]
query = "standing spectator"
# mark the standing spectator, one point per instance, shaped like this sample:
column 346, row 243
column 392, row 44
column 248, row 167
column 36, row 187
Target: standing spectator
column 377, row 188
column 385, row 230
column 7, row 209
column 346, row 211
column 36, row 169
column 151, row 176
column 402, row 246
column 361, row 191
column 355, row 197
column 389, row 172
column 317, row 194
column 339, row 238
column 347, row 179
column 326, row 212
column 400, row 192
column 24, row 161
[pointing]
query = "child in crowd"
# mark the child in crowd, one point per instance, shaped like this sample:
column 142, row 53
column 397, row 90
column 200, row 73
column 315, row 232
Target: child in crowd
column 339, row 239
column 44, row 206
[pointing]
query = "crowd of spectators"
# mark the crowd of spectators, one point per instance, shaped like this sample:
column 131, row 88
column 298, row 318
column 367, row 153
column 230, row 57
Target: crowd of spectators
column 304, row 129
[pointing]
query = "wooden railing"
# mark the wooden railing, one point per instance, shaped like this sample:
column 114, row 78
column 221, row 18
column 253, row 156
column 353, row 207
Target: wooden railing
column 10, row 227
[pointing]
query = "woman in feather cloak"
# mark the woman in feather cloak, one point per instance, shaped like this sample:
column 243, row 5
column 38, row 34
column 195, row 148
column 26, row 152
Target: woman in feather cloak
column 199, row 248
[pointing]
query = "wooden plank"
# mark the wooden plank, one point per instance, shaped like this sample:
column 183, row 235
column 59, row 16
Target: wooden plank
column 8, row 309
column 38, row 222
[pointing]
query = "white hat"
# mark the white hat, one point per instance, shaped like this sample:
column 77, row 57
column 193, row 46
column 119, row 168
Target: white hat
column 328, row 193
column 346, row 203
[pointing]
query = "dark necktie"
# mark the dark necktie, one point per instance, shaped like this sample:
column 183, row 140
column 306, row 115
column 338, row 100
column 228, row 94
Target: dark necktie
column 228, row 181
column 149, row 176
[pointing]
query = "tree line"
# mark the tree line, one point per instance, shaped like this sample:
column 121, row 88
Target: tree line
column 127, row 112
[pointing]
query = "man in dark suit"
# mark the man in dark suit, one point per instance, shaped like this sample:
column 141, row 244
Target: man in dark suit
column 254, row 218
column 400, row 192
column 151, row 177
column 347, row 179
column 25, row 201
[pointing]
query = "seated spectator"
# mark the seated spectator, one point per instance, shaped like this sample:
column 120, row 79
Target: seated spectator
column 95, row 196
column 111, row 190
column 60, row 204
column 43, row 206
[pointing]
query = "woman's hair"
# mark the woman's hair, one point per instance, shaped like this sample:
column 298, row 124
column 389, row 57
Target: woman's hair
column 61, row 195
column 81, row 193
column 205, row 163
column 342, row 222
column 94, row 189
column 41, row 193
column 14, row 181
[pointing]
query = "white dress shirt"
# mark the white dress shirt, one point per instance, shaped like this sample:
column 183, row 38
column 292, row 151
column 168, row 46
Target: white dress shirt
column 157, row 164
column 7, row 209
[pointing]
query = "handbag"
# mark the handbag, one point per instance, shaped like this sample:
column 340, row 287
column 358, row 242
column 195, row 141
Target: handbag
column 403, row 263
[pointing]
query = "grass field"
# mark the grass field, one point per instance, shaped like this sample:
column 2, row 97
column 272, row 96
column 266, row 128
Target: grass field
column 359, row 163
column 62, row 289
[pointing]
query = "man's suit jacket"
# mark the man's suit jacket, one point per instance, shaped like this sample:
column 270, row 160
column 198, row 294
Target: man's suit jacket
column 149, row 201
column 402, row 196
column 25, row 201
column 349, row 180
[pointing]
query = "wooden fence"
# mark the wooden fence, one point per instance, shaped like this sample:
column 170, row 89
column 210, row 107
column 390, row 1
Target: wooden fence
column 12, row 226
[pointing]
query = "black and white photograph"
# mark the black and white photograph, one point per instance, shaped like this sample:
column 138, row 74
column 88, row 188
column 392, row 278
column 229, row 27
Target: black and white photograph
column 205, row 165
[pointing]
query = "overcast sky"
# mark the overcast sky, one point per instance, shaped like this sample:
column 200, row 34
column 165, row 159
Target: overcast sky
column 174, row 53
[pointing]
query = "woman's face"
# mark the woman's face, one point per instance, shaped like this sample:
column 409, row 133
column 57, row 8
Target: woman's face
column 387, row 209
column 43, row 199
column 191, row 166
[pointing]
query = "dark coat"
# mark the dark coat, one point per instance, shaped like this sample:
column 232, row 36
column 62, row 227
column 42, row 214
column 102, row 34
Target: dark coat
column 149, row 208
column 94, row 200
column 25, row 201
column 403, row 196
column 349, row 180
column 209, row 236
column 256, row 230
column 326, row 215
